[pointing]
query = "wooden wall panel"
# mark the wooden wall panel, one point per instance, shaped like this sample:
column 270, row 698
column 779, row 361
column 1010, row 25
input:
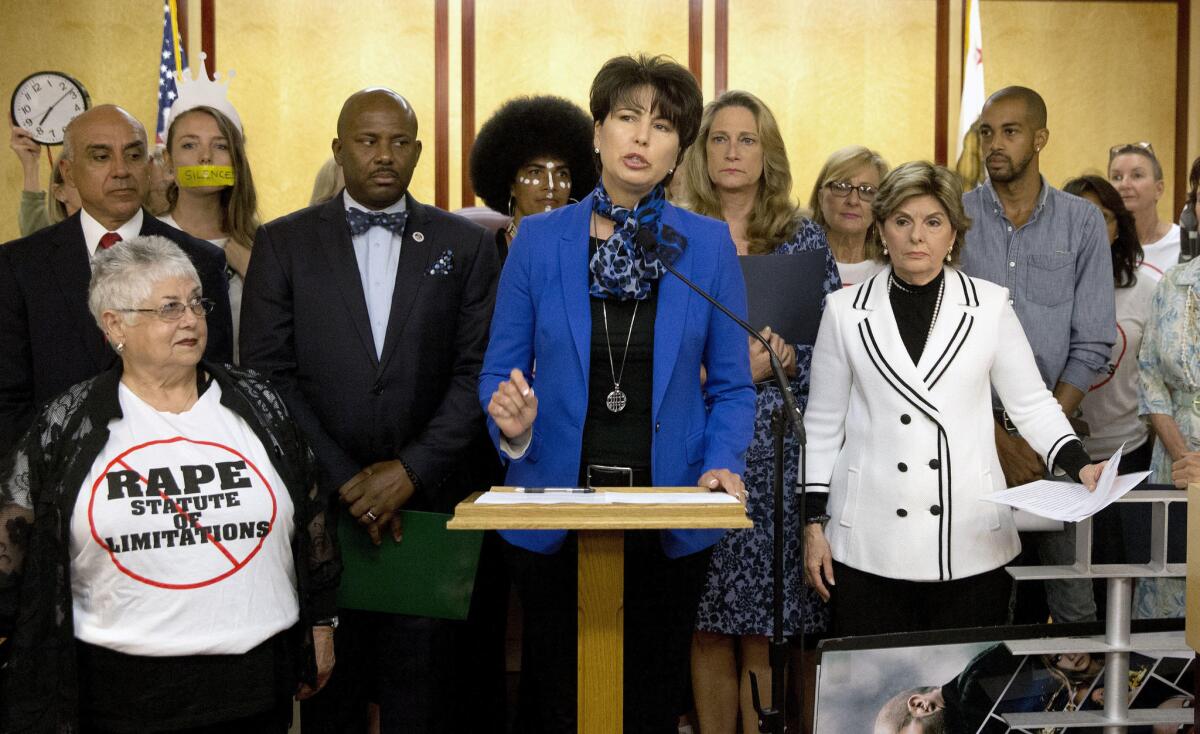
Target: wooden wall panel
column 297, row 62
column 836, row 74
column 518, row 51
column 1106, row 70
column 32, row 38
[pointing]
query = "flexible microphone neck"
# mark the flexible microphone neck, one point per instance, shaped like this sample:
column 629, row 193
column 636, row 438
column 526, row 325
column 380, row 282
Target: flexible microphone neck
column 1190, row 239
column 649, row 243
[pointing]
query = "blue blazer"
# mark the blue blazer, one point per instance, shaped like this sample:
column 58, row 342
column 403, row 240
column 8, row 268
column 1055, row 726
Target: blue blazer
column 543, row 316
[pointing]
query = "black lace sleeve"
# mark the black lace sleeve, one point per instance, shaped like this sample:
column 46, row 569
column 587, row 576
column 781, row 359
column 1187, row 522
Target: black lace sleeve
column 16, row 521
column 323, row 568
column 324, row 562
column 38, row 681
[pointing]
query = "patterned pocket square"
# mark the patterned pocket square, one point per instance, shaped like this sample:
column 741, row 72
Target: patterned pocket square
column 444, row 265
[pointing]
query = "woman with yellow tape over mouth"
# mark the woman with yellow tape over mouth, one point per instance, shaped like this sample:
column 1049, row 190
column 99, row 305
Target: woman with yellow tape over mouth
column 212, row 195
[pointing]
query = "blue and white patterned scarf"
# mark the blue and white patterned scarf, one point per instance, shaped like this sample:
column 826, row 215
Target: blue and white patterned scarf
column 620, row 268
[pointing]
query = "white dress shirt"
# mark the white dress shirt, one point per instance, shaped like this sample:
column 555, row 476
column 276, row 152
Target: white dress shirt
column 93, row 230
column 378, row 254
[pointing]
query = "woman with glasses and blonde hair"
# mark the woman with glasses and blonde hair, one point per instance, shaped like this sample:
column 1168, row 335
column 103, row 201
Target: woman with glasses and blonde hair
column 841, row 203
column 738, row 172
column 901, row 444
column 164, row 533
column 1136, row 174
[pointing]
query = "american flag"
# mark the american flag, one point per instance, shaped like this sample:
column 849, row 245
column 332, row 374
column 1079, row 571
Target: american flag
column 173, row 61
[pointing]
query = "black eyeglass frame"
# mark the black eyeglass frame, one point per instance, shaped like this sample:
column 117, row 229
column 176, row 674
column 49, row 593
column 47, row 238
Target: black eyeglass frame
column 842, row 189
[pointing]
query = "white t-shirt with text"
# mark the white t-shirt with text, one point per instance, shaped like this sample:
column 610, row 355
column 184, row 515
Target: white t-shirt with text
column 181, row 535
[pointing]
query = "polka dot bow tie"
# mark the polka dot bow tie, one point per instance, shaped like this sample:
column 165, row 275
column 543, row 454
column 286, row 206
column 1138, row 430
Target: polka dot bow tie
column 361, row 221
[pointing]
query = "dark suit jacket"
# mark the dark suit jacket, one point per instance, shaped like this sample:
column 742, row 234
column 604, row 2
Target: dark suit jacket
column 48, row 338
column 305, row 325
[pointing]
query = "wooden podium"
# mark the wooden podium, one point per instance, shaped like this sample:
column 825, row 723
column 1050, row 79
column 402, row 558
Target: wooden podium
column 600, row 530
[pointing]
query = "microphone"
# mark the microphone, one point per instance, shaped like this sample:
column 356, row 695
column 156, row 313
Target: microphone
column 1190, row 235
column 649, row 243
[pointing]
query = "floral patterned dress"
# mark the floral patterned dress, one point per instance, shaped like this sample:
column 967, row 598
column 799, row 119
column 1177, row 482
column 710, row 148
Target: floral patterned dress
column 737, row 593
column 1169, row 384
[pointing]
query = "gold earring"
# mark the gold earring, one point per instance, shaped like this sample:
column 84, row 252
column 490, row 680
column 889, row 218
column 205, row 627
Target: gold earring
column 948, row 254
column 885, row 252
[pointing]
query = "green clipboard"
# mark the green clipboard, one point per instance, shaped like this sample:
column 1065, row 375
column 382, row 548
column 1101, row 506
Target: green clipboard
column 429, row 573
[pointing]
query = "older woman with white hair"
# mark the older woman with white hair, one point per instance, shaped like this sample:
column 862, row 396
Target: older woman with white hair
column 161, row 533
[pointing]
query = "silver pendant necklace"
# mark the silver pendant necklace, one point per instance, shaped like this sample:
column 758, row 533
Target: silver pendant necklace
column 616, row 399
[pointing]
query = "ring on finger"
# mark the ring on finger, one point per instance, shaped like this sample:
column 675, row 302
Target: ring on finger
column 370, row 516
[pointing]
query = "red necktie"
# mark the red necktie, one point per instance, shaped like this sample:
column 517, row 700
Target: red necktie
column 109, row 239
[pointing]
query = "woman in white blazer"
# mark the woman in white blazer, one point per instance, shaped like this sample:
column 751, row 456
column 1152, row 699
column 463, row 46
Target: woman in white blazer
column 901, row 448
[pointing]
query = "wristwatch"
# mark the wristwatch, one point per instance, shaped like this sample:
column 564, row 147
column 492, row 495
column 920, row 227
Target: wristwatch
column 330, row 622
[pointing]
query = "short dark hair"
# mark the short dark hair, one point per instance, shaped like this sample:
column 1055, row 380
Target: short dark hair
column 1126, row 249
column 1194, row 181
column 523, row 129
column 1035, row 106
column 676, row 93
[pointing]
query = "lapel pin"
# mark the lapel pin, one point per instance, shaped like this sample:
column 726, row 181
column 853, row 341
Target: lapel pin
column 418, row 237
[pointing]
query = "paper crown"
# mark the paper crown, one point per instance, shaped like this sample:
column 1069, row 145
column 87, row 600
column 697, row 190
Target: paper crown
column 197, row 90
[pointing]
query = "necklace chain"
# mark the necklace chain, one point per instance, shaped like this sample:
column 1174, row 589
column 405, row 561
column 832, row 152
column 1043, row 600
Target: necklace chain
column 616, row 398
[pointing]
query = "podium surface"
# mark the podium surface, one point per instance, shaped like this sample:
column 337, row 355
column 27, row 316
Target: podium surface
column 600, row 529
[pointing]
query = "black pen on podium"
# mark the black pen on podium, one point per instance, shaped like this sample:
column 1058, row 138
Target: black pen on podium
column 556, row 490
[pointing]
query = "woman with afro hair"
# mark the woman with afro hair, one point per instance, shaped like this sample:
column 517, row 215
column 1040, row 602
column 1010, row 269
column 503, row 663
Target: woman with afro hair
column 533, row 155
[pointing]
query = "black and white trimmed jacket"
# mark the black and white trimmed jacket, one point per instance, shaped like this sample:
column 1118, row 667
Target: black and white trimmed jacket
column 906, row 451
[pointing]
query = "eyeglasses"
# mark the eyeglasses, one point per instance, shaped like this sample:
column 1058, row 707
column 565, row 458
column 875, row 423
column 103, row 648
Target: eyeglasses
column 173, row 311
column 1142, row 147
column 842, row 189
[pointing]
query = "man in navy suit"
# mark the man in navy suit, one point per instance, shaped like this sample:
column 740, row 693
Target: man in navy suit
column 370, row 314
column 48, row 338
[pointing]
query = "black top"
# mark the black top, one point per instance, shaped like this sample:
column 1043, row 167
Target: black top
column 622, row 438
column 502, row 245
column 913, row 306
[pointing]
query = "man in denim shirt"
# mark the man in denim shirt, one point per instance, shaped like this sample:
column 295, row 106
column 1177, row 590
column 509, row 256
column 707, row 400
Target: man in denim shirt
column 1050, row 250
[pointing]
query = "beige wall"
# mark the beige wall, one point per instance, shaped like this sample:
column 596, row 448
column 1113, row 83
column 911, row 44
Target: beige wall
column 1102, row 88
column 835, row 73
column 296, row 64
column 839, row 73
column 69, row 36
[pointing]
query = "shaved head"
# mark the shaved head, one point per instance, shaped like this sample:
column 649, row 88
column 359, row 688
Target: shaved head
column 104, row 112
column 105, row 159
column 371, row 98
column 377, row 146
column 1035, row 106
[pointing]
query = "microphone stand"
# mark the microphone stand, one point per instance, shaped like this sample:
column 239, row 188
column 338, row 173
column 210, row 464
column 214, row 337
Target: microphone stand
column 1190, row 236
column 771, row 719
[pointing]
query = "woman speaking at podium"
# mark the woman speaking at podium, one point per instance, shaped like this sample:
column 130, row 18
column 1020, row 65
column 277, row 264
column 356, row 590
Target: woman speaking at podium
column 899, row 422
column 593, row 377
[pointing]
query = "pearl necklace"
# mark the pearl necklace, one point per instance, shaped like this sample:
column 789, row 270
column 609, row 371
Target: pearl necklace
column 937, row 306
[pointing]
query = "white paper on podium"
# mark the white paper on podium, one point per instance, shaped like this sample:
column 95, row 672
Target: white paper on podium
column 1070, row 501
column 606, row 498
column 548, row 498
column 671, row 498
